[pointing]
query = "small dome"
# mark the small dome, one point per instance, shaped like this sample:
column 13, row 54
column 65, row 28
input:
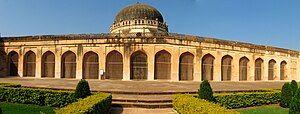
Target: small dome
column 139, row 11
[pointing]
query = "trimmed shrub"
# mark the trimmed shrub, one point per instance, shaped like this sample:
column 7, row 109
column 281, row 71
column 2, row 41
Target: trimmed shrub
column 10, row 85
column 188, row 104
column 205, row 91
column 286, row 95
column 294, row 87
column 239, row 100
column 53, row 98
column 82, row 89
column 94, row 104
column 295, row 103
column 0, row 110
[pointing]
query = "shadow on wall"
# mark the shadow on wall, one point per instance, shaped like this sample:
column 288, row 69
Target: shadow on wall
column 3, row 59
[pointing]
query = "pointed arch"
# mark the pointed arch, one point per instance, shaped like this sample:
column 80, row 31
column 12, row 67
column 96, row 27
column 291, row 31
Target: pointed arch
column 114, row 65
column 207, row 67
column 226, row 68
column 243, row 68
column 48, row 64
column 258, row 69
column 90, row 65
column 271, row 69
column 186, row 66
column 13, row 61
column 138, row 66
column 162, row 68
column 29, row 64
column 283, row 75
column 68, row 64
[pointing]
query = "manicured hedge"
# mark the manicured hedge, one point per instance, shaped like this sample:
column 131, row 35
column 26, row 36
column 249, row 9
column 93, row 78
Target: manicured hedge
column 95, row 104
column 239, row 100
column 188, row 104
column 53, row 98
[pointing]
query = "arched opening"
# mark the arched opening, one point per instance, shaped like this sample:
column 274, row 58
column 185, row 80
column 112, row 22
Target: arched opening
column 68, row 63
column 207, row 67
column 48, row 65
column 162, row 65
column 29, row 64
column 13, row 60
column 243, row 68
column 258, row 69
column 114, row 65
column 283, row 70
column 3, row 63
column 186, row 66
column 138, row 66
column 226, row 68
column 271, row 69
column 90, row 65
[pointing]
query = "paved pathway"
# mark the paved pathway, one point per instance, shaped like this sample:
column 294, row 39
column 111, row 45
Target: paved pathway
column 143, row 86
column 116, row 110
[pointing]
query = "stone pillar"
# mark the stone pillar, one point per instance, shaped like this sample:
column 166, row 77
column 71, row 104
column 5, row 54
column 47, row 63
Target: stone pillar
column 57, row 68
column 151, row 63
column 79, row 58
column 277, row 71
column 175, row 65
column 21, row 62
column 251, row 69
column 235, row 69
column 38, row 63
column 126, row 67
column 197, row 68
column 217, row 67
column 265, row 70
column 101, row 61
column 287, row 71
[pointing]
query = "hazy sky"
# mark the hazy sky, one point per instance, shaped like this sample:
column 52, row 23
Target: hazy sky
column 267, row 22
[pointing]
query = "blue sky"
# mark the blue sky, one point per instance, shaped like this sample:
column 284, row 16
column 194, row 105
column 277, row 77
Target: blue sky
column 267, row 22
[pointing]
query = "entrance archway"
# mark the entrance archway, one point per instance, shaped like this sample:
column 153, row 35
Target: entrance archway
column 13, row 60
column 186, row 66
column 114, row 65
column 138, row 66
column 48, row 65
column 162, row 65
column 90, row 65
column 29, row 64
column 68, row 64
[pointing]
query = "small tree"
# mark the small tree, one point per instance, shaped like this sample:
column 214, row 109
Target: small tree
column 205, row 91
column 294, row 87
column 82, row 89
column 286, row 95
column 295, row 103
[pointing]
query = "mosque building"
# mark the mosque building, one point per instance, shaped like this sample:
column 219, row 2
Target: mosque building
column 140, row 47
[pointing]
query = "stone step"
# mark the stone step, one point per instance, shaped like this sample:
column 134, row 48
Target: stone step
column 142, row 101
column 141, row 105
column 142, row 97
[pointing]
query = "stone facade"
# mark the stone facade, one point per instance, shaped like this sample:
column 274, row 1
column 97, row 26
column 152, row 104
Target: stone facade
column 175, row 45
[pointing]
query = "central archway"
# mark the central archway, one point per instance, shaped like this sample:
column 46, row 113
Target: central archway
column 226, row 68
column 138, row 66
column 243, row 69
column 114, row 65
column 13, row 59
column 208, row 67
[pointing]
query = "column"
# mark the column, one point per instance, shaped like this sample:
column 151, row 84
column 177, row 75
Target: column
column 79, row 58
column 126, row 67
column 265, row 70
column 197, row 68
column 251, row 68
column 57, row 68
column 38, row 63
column 235, row 68
column 21, row 62
column 175, row 65
column 151, row 64
column 217, row 68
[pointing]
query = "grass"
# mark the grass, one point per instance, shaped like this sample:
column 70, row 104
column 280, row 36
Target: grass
column 268, row 109
column 14, row 108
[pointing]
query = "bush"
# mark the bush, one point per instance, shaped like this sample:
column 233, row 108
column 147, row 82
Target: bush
column 205, row 91
column 40, row 97
column 286, row 95
column 187, row 104
column 10, row 85
column 82, row 89
column 295, row 103
column 94, row 104
column 0, row 110
column 294, row 87
column 239, row 100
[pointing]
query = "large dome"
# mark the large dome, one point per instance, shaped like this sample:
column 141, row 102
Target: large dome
column 139, row 11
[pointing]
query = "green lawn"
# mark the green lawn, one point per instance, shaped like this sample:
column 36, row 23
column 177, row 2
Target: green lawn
column 269, row 109
column 13, row 108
